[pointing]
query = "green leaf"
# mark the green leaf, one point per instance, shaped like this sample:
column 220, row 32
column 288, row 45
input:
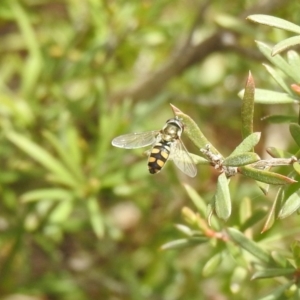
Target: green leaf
column 196, row 198
column 256, row 217
column 193, row 131
column 95, row 216
column 295, row 247
column 270, row 273
column 278, row 293
column 222, row 198
column 275, row 152
column 296, row 167
column 65, row 155
column 247, row 110
column 265, row 176
column 271, row 97
column 278, row 119
column 47, row 194
column 294, row 60
column 249, row 245
column 212, row 265
column 278, row 78
column 61, row 212
column 247, row 144
column 241, row 159
column 286, row 44
column 274, row 22
column 291, row 204
column 295, row 132
column 184, row 243
column 278, row 61
column 44, row 158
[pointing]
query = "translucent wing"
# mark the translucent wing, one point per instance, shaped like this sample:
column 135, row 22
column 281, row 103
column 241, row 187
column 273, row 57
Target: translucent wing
column 136, row 140
column 182, row 159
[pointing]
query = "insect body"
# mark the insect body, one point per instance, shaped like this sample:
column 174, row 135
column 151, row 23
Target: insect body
column 166, row 144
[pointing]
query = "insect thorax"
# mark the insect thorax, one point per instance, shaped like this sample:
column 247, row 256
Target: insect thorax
column 171, row 131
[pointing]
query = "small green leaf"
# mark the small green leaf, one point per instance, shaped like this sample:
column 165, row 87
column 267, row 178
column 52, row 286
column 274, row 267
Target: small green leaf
column 64, row 154
column 95, row 216
column 274, row 22
column 61, row 212
column 296, row 167
column 184, row 243
column 265, row 176
column 196, row 198
column 193, row 131
column 247, row 110
column 295, row 132
column 241, row 159
column 270, row 97
column 291, row 204
column 278, row 153
column 278, row 61
column 249, row 245
column 247, row 144
column 278, row 293
column 212, row 265
column 222, row 198
column 44, row 158
column 296, row 253
column 286, row 44
column 294, row 60
column 275, row 74
column 270, row 273
column 47, row 194
column 278, row 119
column 256, row 217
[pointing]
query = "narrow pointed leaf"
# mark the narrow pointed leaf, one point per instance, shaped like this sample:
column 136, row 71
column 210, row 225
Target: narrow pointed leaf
column 296, row 167
column 278, row 293
column 212, row 265
column 247, row 110
column 278, row 119
column 290, row 206
column 278, row 61
column 270, row 273
column 295, row 132
column 183, row 243
column 241, row 159
column 274, row 22
column 278, row 153
column 222, row 198
column 196, row 198
column 47, row 194
column 43, row 157
column 257, row 216
column 294, row 59
column 271, row 97
column 96, row 216
column 275, row 74
column 65, row 156
column 249, row 245
column 193, row 131
column 286, row 44
column 265, row 176
column 295, row 247
column 247, row 144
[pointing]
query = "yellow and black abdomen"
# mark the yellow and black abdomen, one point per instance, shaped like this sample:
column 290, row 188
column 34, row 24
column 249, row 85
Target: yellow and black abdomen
column 158, row 156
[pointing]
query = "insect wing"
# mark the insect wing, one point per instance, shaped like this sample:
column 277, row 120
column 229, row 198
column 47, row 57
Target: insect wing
column 182, row 159
column 135, row 140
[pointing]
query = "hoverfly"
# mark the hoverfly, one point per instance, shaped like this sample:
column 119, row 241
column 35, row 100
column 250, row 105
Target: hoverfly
column 166, row 144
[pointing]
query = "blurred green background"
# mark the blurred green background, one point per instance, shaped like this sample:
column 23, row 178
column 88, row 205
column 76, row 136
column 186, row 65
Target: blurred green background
column 80, row 219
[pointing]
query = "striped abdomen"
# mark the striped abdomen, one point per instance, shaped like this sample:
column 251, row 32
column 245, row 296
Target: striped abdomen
column 158, row 156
